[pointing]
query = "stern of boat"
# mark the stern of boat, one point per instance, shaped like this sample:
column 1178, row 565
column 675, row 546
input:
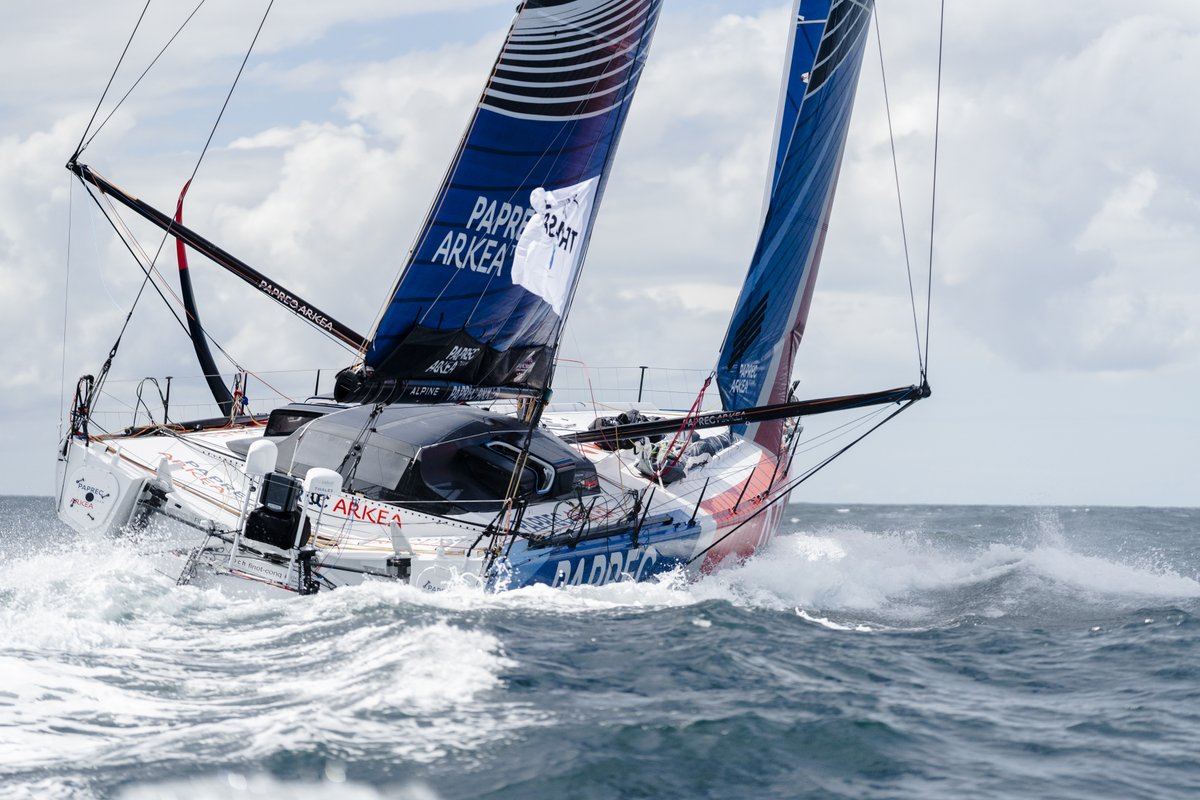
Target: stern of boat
column 94, row 492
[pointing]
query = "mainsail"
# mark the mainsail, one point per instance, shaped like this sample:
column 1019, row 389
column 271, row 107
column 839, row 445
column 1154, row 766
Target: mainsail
column 825, row 56
column 480, row 305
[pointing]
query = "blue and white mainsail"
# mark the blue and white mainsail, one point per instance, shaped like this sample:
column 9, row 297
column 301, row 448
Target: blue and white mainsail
column 481, row 303
column 825, row 57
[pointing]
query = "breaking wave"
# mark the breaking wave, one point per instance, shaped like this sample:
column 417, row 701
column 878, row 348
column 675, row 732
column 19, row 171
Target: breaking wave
column 109, row 664
column 899, row 575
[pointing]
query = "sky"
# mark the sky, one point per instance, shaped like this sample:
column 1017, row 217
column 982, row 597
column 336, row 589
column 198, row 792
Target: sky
column 1064, row 354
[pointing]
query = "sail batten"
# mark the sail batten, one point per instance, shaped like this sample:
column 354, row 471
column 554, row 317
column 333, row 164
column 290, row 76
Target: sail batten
column 482, row 298
column 824, row 59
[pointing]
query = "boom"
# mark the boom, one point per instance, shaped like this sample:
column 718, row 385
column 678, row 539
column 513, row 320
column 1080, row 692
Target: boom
column 289, row 300
column 741, row 416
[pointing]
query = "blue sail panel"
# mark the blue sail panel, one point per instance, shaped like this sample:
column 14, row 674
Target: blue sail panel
column 808, row 23
column 483, row 297
column 771, row 311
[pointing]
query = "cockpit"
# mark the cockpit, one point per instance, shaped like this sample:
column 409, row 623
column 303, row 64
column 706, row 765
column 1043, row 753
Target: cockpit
column 440, row 458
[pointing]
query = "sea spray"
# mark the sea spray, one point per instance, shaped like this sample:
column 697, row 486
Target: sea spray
column 874, row 652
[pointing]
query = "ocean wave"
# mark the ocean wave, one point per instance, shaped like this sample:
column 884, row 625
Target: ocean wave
column 235, row 785
column 108, row 662
column 117, row 680
column 83, row 596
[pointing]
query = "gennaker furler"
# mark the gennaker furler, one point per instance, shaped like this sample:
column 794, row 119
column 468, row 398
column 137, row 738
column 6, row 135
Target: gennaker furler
column 441, row 456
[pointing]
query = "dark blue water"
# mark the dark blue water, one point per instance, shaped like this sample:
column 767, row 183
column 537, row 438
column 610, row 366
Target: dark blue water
column 873, row 652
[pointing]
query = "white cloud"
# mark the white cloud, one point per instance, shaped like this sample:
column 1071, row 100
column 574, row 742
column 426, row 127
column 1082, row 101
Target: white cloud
column 1066, row 246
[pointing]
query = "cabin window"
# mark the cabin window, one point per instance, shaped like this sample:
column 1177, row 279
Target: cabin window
column 543, row 473
column 286, row 421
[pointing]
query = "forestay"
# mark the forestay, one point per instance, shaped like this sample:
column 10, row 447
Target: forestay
column 481, row 302
column 825, row 56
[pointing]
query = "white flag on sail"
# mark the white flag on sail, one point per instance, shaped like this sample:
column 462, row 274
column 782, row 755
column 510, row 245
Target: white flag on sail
column 551, row 244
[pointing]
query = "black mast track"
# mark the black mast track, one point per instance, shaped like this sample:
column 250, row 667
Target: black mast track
column 289, row 300
column 716, row 419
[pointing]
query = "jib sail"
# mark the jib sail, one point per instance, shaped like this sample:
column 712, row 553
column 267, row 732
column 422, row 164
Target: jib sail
column 825, row 57
column 480, row 304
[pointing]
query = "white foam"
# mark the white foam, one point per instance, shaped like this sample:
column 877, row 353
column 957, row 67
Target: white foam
column 1106, row 576
column 234, row 785
column 825, row 622
column 848, row 569
column 104, row 657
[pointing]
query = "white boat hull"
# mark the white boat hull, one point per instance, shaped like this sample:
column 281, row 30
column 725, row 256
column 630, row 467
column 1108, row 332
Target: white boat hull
column 194, row 485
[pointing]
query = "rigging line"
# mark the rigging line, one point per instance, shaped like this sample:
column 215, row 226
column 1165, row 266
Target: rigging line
column 833, row 434
column 145, row 258
column 162, row 242
column 147, row 271
column 100, row 270
column 62, row 373
column 213, row 132
column 79, row 147
column 229, row 95
column 912, row 296
column 636, row 65
column 125, row 97
column 787, row 488
column 238, row 367
column 937, row 120
column 128, row 236
column 566, row 130
column 162, row 279
column 117, row 399
column 439, row 199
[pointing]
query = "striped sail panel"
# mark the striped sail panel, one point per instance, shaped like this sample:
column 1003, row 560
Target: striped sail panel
column 769, row 317
column 483, row 297
column 809, row 18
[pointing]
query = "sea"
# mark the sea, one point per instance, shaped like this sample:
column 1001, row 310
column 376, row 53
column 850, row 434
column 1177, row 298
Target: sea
column 870, row 652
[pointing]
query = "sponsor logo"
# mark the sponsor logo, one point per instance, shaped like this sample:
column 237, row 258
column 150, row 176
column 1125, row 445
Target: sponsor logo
column 363, row 512
column 313, row 316
column 90, row 492
column 89, row 496
column 491, row 231
column 464, row 393
column 548, row 251
column 605, row 568
column 559, row 232
column 747, row 374
column 262, row 569
column 525, row 367
column 209, row 478
column 456, row 358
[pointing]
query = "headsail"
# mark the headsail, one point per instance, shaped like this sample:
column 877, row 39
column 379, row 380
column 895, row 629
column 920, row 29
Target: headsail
column 825, row 57
column 480, row 304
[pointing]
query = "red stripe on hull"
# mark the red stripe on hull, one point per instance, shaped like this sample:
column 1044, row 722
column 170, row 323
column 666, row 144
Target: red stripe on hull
column 741, row 508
